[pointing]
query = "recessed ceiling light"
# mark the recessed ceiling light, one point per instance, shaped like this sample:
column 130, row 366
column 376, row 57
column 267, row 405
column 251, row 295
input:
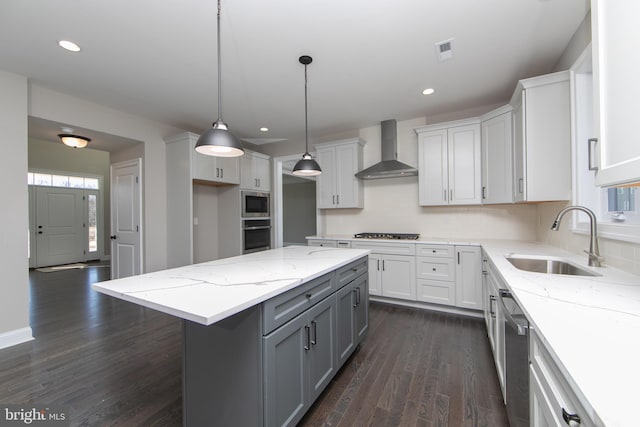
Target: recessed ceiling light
column 69, row 45
column 428, row 91
column 264, row 129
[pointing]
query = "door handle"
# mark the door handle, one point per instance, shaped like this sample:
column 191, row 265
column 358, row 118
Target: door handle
column 592, row 144
column 113, row 237
column 307, row 330
column 39, row 232
column 315, row 332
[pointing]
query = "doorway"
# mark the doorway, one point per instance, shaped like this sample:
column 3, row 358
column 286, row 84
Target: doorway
column 65, row 219
column 295, row 212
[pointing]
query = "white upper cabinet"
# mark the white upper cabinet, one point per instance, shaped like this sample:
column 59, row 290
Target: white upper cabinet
column 616, row 41
column 542, row 138
column 255, row 171
column 497, row 156
column 449, row 163
column 215, row 169
column 337, row 186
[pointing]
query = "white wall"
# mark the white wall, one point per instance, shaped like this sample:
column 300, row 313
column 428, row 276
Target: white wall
column 14, row 286
column 55, row 106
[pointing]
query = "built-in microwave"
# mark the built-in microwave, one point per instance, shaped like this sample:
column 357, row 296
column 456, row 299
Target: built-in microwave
column 255, row 204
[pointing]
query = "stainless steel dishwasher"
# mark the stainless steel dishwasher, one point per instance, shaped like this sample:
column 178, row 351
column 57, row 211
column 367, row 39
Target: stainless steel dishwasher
column 516, row 348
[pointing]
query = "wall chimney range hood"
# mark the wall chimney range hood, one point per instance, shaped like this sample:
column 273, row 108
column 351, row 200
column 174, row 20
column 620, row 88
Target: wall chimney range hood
column 389, row 167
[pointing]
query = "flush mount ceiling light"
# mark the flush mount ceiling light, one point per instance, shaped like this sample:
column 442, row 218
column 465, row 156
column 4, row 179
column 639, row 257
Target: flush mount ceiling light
column 69, row 45
column 74, row 141
column 264, row 129
column 218, row 141
column 306, row 166
column 428, row 91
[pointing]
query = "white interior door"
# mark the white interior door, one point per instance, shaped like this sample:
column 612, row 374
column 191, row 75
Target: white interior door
column 126, row 219
column 59, row 227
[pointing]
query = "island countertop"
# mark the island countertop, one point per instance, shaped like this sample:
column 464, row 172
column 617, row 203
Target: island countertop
column 208, row 292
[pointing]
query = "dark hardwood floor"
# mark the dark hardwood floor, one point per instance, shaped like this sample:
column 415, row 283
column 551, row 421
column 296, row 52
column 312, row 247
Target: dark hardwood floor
column 114, row 363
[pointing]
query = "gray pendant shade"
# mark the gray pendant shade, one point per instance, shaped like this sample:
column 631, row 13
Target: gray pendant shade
column 218, row 141
column 306, row 166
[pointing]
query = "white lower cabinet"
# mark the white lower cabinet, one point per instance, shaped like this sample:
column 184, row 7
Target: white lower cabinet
column 552, row 401
column 469, row 277
column 494, row 318
column 435, row 272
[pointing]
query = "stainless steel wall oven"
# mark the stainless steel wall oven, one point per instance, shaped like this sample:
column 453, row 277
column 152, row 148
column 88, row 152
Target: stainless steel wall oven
column 256, row 235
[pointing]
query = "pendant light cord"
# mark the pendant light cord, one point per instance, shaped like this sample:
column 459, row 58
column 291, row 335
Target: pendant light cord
column 306, row 124
column 219, row 70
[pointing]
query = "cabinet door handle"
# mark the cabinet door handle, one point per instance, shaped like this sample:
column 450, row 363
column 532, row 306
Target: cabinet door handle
column 521, row 185
column 444, row 195
column 307, row 330
column 382, row 265
column 484, row 193
column 355, row 299
column 491, row 300
column 221, row 172
column 450, row 195
column 337, row 199
column 217, row 172
column 378, row 265
column 458, row 258
column 570, row 419
column 592, row 143
column 333, row 199
column 358, row 296
column 315, row 332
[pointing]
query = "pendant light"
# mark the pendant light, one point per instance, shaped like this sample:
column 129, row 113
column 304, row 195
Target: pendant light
column 306, row 166
column 218, row 141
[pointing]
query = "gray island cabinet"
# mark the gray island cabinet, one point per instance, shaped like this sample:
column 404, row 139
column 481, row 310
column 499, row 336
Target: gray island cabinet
column 263, row 334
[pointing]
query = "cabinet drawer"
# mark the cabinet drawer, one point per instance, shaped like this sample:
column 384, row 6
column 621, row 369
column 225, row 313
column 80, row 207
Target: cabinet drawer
column 322, row 243
column 386, row 248
column 561, row 397
column 439, row 251
column 435, row 269
column 350, row 271
column 436, row 291
column 279, row 310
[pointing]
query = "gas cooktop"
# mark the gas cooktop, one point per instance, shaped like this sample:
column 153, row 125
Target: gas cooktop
column 391, row 236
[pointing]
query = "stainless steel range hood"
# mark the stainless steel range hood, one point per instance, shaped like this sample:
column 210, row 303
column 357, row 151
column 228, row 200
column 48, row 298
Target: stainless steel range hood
column 389, row 167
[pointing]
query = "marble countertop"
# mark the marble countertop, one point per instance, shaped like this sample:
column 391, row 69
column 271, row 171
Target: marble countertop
column 211, row 291
column 590, row 325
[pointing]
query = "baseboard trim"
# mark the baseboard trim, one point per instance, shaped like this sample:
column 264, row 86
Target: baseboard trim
column 428, row 306
column 15, row 337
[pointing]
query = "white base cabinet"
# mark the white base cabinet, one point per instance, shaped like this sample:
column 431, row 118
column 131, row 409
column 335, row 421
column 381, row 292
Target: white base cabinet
column 392, row 269
column 494, row 318
column 469, row 277
column 552, row 400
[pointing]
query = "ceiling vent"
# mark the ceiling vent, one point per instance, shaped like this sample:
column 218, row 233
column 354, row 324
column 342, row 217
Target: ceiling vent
column 444, row 50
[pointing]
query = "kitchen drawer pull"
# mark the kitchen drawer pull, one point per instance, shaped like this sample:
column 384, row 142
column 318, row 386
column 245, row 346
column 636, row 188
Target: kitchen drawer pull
column 592, row 143
column 570, row 418
column 315, row 332
column 307, row 329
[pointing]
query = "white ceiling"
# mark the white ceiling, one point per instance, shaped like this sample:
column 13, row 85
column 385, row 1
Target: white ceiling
column 371, row 59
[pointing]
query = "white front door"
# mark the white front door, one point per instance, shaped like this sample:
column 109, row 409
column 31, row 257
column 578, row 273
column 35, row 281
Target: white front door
column 126, row 220
column 59, row 227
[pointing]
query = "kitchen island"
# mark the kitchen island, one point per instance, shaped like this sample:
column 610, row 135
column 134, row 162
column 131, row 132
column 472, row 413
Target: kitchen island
column 263, row 333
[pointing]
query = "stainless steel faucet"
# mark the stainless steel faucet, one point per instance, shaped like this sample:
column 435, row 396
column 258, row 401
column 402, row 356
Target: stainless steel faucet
column 594, row 251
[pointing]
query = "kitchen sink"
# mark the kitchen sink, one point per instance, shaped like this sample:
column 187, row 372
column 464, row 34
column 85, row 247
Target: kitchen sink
column 547, row 265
